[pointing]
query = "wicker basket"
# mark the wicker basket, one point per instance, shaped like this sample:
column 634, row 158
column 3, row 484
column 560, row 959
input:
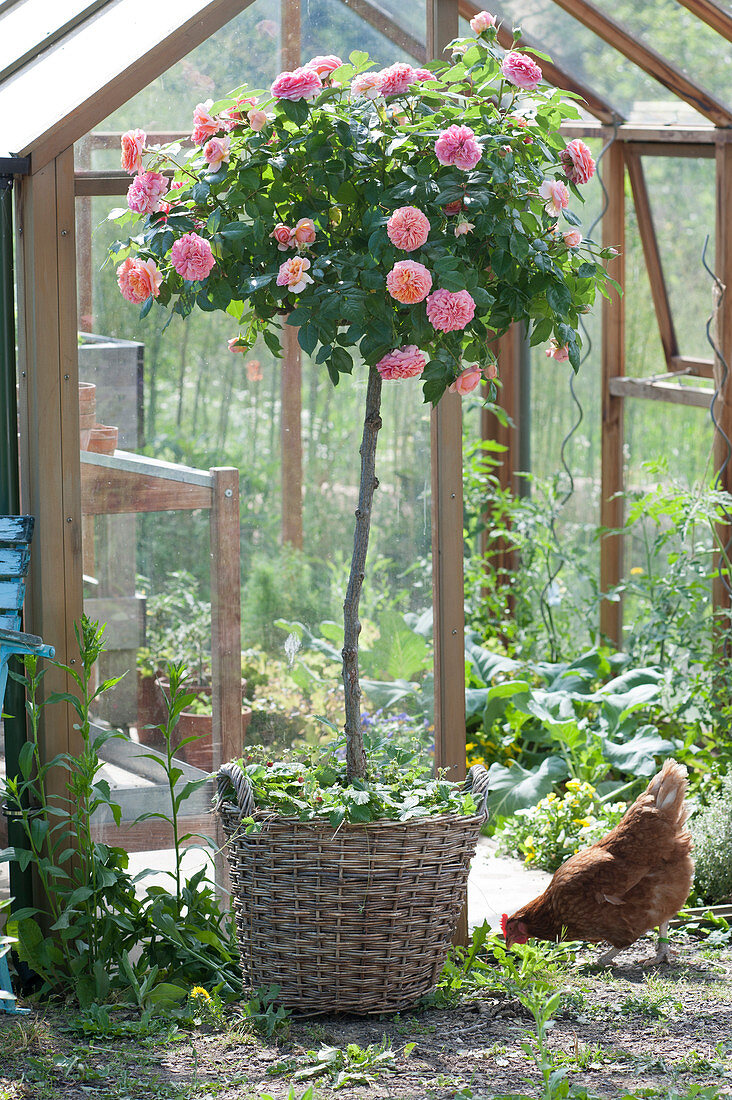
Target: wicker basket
column 357, row 920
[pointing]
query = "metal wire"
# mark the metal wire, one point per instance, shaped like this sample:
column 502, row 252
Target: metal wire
column 561, row 502
column 720, row 289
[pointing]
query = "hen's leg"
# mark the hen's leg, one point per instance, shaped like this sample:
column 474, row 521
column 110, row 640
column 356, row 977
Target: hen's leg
column 662, row 952
column 608, row 957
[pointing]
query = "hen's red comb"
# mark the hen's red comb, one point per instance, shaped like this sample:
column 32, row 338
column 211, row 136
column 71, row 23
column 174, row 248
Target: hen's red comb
column 504, row 921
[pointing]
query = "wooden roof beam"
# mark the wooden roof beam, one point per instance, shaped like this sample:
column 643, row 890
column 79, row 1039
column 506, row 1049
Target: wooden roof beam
column 652, row 255
column 647, row 59
column 560, row 78
column 718, row 19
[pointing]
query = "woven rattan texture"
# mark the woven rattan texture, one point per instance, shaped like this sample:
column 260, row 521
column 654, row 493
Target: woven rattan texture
column 359, row 920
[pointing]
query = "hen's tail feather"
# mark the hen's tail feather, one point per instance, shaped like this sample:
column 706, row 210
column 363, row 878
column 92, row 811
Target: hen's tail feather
column 668, row 789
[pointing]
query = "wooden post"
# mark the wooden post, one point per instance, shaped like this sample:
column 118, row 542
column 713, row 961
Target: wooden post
column 613, row 365
column 291, row 439
column 226, row 731
column 225, row 614
column 722, row 334
column 49, row 413
column 447, row 529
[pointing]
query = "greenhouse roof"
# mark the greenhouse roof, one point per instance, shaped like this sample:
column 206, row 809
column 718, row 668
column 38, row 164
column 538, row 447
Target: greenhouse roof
column 71, row 63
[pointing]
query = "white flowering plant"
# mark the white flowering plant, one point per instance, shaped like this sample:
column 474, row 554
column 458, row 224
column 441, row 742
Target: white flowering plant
column 401, row 218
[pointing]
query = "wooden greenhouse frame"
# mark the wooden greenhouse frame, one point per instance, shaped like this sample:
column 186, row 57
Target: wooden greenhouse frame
column 133, row 43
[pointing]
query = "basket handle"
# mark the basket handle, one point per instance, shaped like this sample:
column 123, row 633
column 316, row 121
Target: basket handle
column 231, row 775
column 477, row 783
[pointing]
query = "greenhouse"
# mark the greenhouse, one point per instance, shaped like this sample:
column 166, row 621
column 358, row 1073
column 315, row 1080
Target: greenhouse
column 365, row 527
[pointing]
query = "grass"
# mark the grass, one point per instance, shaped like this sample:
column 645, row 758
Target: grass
column 611, row 1034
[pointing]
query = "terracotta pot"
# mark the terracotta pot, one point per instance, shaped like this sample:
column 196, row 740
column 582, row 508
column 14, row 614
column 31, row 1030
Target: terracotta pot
column 150, row 711
column 200, row 753
column 87, row 412
column 103, row 439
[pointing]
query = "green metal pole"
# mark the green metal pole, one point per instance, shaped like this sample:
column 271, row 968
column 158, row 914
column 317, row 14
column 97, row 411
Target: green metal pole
column 21, row 882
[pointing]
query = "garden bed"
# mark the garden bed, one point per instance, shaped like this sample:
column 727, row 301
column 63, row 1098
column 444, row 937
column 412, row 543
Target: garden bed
column 622, row 1033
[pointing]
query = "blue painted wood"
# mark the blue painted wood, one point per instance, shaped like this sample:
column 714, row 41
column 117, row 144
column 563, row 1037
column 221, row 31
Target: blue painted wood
column 11, row 594
column 7, row 997
column 16, row 528
column 8, row 621
column 14, row 561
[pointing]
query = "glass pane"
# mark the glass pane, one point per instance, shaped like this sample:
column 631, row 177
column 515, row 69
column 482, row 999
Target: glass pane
column 686, row 41
column 596, row 64
column 248, row 49
column 682, row 193
column 189, row 402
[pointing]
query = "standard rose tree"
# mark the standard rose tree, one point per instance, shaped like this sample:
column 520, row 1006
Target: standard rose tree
column 401, row 218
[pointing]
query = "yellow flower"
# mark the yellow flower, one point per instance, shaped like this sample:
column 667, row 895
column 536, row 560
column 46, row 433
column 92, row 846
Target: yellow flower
column 573, row 785
column 199, row 993
column 551, row 797
column 636, row 571
column 583, row 821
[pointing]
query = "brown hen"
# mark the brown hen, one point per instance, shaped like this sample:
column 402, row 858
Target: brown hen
column 634, row 879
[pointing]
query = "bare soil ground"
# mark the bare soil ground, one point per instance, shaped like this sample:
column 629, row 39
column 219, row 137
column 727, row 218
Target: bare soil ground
column 624, row 1032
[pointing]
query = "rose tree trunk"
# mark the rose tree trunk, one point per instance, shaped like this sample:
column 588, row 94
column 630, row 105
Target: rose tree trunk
column 355, row 755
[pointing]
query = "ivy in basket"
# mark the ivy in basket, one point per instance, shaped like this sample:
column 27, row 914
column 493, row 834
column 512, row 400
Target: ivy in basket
column 400, row 218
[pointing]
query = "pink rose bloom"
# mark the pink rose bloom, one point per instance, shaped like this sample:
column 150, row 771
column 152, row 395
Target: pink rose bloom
column 192, row 257
column 323, row 66
column 284, row 236
column 557, row 196
column 555, row 352
column 146, row 191
column 453, row 208
column 573, row 239
column 405, row 362
column 216, row 151
column 304, row 231
column 409, row 282
column 521, row 70
column 367, row 85
column 457, row 145
column 423, row 74
column 449, row 311
column 254, row 372
column 483, row 21
column 577, row 162
column 133, row 145
column 467, row 381
column 138, row 280
column 257, row 120
column 299, row 84
column 236, row 344
column 396, row 79
column 293, row 274
column 235, row 114
column 408, row 228
column 204, row 124
column 463, row 226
